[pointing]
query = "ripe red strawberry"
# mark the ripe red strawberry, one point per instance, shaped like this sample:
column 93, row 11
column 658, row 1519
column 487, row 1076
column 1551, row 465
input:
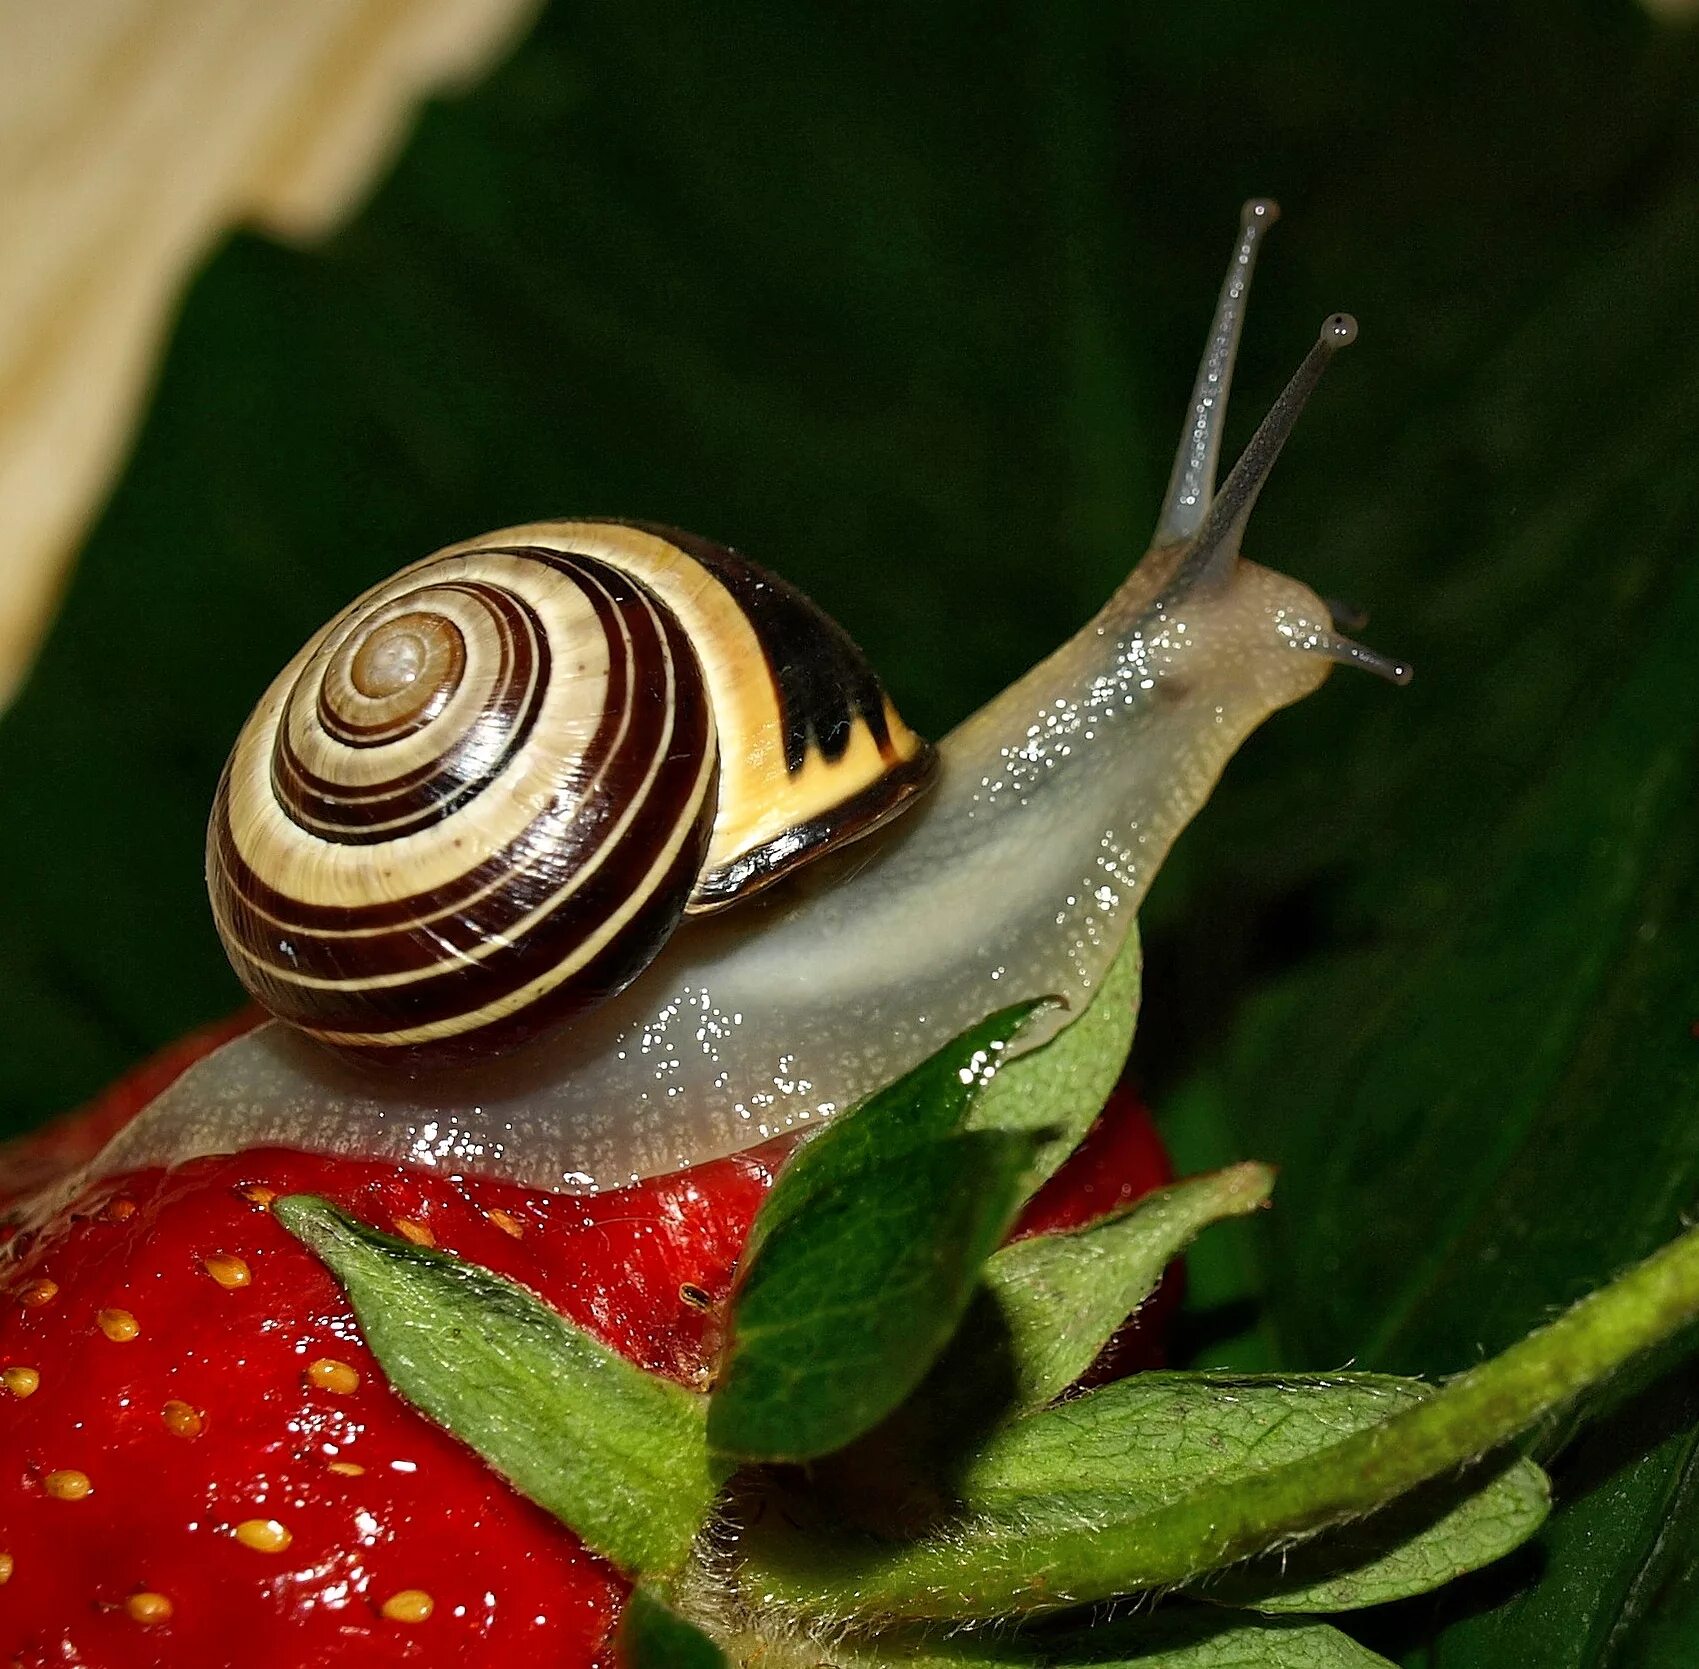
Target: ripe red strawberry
column 1121, row 1160
column 185, row 1377
column 197, row 1450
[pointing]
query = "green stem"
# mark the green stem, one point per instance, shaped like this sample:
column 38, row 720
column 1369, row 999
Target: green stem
column 995, row 1571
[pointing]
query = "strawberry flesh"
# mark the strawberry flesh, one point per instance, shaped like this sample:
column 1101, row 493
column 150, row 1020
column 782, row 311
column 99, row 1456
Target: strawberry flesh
column 425, row 1515
column 1120, row 1161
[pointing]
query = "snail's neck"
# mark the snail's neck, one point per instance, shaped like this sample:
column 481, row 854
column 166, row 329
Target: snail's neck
column 1058, row 801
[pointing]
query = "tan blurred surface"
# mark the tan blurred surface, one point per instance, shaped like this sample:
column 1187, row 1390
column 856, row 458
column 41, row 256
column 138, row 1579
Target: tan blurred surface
column 131, row 133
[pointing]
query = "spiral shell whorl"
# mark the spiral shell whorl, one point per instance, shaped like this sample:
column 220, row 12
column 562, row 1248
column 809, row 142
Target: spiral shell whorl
column 474, row 803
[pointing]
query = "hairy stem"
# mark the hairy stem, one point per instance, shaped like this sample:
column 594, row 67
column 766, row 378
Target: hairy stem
column 995, row 1570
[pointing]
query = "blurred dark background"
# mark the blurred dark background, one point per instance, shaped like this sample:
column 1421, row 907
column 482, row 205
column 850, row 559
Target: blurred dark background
column 906, row 303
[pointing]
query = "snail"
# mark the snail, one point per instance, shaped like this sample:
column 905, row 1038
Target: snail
column 900, row 892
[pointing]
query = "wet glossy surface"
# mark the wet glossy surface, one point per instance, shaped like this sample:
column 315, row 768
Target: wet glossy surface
column 1020, row 875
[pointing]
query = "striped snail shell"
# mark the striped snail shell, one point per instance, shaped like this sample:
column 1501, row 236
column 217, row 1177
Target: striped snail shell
column 481, row 799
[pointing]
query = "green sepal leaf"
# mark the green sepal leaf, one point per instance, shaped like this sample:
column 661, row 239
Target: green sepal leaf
column 654, row 1636
column 1045, row 1308
column 616, row 1454
column 1003, row 1570
column 850, row 1302
column 1173, row 1637
column 1192, row 1637
column 864, row 1255
column 1061, row 1296
column 1147, row 1441
column 931, row 1101
column 1057, row 1090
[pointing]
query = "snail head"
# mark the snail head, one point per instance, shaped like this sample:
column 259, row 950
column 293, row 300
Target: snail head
column 1195, row 564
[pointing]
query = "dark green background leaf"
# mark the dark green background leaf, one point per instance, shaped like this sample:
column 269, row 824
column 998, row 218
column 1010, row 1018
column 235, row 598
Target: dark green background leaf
column 907, row 305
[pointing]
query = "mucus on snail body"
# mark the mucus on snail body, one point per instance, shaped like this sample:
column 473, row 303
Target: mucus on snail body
column 343, row 826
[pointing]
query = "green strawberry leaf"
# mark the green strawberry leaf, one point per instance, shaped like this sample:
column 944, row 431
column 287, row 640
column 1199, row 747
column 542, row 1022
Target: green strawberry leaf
column 1061, row 1296
column 847, row 1304
column 862, row 1258
column 1186, row 1638
column 654, row 1636
column 1149, row 1440
column 1045, row 1308
column 931, row 1101
column 1058, row 1089
column 987, row 1568
column 616, row 1454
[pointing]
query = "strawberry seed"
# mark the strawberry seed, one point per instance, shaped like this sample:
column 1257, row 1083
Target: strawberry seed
column 263, row 1535
column 326, row 1374
column 182, row 1420
column 21, row 1382
column 228, row 1270
column 118, row 1325
column 411, row 1605
column 68, row 1485
column 149, row 1608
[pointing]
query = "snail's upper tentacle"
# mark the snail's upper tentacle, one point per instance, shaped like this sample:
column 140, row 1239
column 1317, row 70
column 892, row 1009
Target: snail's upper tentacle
column 1191, row 485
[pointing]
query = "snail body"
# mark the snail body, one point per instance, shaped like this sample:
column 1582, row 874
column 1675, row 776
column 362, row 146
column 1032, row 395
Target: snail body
column 1018, row 874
